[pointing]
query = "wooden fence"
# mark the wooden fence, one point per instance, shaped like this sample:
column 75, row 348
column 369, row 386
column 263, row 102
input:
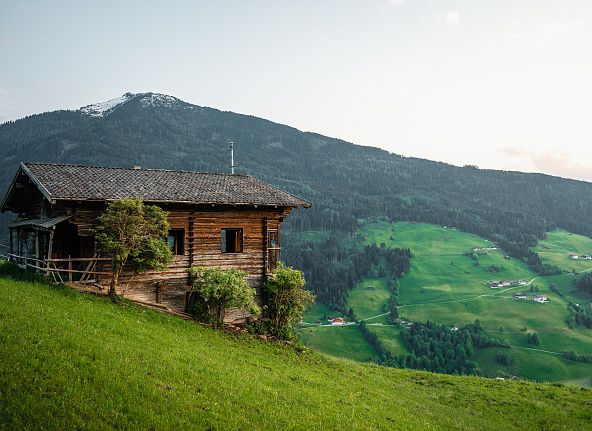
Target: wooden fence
column 75, row 269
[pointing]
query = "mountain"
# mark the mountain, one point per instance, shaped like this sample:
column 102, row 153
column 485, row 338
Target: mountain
column 345, row 182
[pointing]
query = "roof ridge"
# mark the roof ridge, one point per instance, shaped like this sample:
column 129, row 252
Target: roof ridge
column 63, row 181
column 78, row 165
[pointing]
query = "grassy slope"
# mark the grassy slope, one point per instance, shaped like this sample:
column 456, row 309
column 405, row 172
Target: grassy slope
column 440, row 273
column 341, row 341
column 559, row 244
column 70, row 361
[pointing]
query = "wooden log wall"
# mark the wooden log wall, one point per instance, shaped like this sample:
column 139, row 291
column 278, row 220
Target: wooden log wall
column 86, row 221
column 202, row 247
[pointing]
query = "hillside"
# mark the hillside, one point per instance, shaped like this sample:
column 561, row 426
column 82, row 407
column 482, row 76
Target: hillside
column 70, row 361
column 447, row 284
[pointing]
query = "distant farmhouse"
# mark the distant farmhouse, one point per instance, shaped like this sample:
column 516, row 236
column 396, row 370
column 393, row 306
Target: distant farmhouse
column 506, row 283
column 221, row 220
column 484, row 250
column 536, row 298
column 338, row 321
column 580, row 257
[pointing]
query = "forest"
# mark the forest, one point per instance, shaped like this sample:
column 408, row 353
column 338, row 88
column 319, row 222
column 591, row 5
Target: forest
column 579, row 315
column 434, row 347
column 584, row 284
column 332, row 266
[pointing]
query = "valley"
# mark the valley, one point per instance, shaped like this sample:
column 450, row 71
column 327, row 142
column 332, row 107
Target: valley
column 448, row 284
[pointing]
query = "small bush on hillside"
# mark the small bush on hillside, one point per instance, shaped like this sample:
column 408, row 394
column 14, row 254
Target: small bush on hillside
column 286, row 299
column 218, row 289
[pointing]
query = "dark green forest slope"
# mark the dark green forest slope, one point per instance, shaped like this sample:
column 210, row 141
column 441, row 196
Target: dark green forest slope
column 344, row 181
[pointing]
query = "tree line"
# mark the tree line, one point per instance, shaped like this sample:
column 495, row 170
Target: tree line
column 334, row 264
column 434, row 347
column 584, row 284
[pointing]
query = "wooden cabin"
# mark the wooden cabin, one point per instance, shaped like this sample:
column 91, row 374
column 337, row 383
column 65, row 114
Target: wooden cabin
column 222, row 220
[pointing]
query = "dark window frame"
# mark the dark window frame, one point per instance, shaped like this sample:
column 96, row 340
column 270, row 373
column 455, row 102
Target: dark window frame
column 274, row 248
column 231, row 240
column 178, row 241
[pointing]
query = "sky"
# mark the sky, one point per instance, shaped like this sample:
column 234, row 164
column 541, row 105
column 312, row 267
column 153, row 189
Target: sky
column 502, row 84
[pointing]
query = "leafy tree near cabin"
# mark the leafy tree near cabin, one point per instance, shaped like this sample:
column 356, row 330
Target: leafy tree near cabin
column 286, row 298
column 219, row 289
column 130, row 232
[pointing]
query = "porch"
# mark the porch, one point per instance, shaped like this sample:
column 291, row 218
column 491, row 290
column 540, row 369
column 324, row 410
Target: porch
column 53, row 246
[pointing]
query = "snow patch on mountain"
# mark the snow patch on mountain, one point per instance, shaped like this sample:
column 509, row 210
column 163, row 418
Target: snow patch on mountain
column 146, row 100
column 103, row 108
column 157, row 99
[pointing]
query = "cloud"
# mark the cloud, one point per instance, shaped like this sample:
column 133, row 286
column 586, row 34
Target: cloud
column 558, row 163
column 453, row 18
column 513, row 152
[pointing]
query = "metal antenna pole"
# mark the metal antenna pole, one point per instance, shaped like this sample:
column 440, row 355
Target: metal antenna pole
column 232, row 157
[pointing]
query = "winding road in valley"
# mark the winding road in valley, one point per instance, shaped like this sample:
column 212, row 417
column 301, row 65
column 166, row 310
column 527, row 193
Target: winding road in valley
column 471, row 298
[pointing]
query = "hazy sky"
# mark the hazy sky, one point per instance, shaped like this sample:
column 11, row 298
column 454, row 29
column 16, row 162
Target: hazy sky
column 500, row 84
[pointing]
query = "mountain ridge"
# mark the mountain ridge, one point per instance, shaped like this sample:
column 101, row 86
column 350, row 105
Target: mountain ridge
column 104, row 109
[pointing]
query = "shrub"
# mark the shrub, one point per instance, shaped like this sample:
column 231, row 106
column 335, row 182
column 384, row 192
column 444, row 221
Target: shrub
column 533, row 339
column 503, row 358
column 286, row 298
column 218, row 289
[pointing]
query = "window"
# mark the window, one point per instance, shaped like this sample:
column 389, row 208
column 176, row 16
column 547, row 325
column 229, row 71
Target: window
column 273, row 249
column 232, row 241
column 175, row 241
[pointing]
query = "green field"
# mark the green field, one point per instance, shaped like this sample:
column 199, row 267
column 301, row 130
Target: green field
column 72, row 361
column 446, row 286
column 369, row 299
column 439, row 269
column 559, row 244
column 340, row 341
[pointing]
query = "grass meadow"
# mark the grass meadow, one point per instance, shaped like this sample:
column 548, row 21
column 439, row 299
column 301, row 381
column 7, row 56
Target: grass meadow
column 559, row 244
column 71, row 361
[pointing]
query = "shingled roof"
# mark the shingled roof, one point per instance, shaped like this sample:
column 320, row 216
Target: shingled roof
column 77, row 182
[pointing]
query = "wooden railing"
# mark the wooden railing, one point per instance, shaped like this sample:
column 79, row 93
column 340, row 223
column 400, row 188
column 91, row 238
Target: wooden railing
column 81, row 267
column 86, row 267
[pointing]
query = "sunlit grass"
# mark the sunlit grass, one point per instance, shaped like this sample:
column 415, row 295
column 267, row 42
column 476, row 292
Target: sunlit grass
column 73, row 361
